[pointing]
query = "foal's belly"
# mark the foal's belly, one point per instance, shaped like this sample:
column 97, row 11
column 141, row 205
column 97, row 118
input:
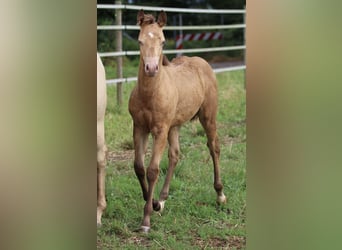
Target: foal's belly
column 186, row 113
column 180, row 119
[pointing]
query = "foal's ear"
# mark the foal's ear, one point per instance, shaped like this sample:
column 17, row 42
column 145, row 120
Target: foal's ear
column 162, row 19
column 140, row 17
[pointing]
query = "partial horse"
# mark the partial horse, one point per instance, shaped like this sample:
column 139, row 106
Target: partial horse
column 168, row 94
column 101, row 146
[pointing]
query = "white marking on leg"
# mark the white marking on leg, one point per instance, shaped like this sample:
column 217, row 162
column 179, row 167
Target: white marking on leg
column 145, row 229
column 162, row 204
column 221, row 199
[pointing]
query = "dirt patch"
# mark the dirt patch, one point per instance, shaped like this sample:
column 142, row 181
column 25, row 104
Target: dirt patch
column 139, row 241
column 134, row 240
column 117, row 156
column 232, row 242
column 228, row 141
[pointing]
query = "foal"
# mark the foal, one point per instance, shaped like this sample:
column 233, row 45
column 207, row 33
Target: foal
column 166, row 96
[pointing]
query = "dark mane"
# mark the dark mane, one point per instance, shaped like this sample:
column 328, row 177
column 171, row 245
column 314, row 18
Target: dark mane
column 148, row 19
column 166, row 61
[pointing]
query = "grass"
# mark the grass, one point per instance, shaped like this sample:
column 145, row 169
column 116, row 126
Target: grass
column 191, row 219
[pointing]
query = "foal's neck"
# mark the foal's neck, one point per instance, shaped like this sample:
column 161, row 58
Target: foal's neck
column 148, row 85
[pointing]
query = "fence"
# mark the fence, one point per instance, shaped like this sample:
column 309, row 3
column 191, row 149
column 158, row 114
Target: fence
column 118, row 7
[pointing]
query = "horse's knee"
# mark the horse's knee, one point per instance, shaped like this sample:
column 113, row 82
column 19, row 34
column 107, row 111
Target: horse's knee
column 101, row 157
column 214, row 146
column 174, row 155
column 164, row 195
column 217, row 148
column 152, row 174
column 101, row 165
column 101, row 204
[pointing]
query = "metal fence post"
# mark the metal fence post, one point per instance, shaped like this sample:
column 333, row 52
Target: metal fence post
column 118, row 46
column 244, row 42
column 180, row 32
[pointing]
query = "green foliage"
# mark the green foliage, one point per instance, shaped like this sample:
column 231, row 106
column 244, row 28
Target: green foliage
column 191, row 219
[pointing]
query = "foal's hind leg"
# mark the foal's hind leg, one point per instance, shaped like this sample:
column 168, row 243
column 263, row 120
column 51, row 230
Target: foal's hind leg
column 208, row 121
column 173, row 138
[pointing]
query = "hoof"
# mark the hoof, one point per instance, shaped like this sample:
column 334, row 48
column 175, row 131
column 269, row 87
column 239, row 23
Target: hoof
column 145, row 229
column 99, row 224
column 221, row 199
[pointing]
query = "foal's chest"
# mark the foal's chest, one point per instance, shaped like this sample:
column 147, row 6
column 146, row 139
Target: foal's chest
column 151, row 114
column 150, row 109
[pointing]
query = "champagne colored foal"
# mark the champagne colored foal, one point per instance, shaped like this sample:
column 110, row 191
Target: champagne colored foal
column 167, row 95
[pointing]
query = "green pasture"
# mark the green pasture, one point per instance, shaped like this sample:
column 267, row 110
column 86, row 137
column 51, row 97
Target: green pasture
column 191, row 219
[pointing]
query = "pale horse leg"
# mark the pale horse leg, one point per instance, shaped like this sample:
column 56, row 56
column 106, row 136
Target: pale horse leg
column 101, row 174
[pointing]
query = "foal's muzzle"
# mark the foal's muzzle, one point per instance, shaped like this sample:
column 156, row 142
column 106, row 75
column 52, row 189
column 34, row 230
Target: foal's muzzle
column 151, row 66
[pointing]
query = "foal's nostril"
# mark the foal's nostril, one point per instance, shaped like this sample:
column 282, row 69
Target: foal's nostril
column 151, row 68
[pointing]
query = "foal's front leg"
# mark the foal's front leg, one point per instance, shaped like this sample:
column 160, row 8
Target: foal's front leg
column 159, row 142
column 173, row 139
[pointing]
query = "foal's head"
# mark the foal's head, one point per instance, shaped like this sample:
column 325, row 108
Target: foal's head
column 151, row 40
